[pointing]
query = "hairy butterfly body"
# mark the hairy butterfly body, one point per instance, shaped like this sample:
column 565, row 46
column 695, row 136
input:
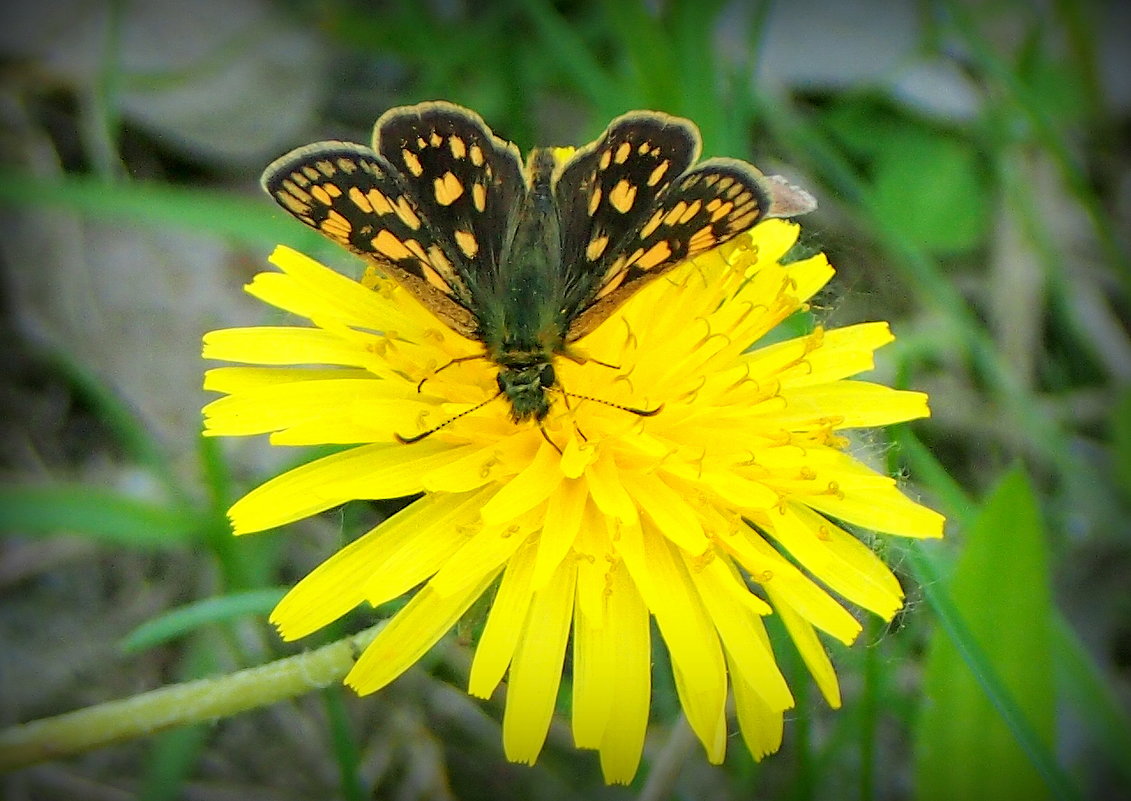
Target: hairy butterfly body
column 524, row 259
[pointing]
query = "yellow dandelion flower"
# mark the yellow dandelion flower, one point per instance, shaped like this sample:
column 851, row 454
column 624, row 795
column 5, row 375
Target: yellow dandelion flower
column 706, row 516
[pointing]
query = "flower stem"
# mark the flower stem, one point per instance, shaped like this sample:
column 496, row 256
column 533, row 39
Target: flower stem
column 179, row 704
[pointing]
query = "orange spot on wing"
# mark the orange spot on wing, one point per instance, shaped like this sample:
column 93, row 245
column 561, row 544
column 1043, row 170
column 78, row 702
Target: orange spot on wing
column 360, row 200
column 596, row 247
column 292, row 203
column 407, row 215
column 623, row 195
column 294, row 189
column 722, row 211
column 692, row 210
column 658, row 173
column 439, row 259
column 388, row 245
column 447, row 189
column 652, row 224
column 435, row 279
column 412, row 162
column 379, row 202
column 467, row 243
column 594, row 200
column 657, row 254
column 676, row 212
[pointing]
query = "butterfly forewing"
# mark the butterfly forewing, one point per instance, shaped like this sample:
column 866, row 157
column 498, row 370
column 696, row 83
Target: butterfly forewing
column 351, row 195
column 465, row 180
column 606, row 191
column 698, row 210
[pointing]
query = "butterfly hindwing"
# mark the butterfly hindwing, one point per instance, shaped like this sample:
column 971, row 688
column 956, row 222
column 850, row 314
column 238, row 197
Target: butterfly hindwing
column 350, row 194
column 466, row 181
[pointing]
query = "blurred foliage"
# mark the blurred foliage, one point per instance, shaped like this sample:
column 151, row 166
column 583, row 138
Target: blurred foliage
column 974, row 184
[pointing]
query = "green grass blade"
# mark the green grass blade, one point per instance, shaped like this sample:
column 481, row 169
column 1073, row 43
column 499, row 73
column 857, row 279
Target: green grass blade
column 254, row 221
column 186, row 619
column 345, row 747
column 99, row 514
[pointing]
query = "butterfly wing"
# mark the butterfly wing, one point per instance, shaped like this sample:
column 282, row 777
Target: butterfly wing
column 467, row 182
column 606, row 191
column 429, row 204
column 645, row 212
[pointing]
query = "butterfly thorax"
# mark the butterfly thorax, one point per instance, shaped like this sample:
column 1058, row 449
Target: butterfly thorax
column 524, row 325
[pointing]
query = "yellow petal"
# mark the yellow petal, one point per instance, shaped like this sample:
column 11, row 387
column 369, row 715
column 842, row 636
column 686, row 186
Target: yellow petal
column 849, row 404
column 346, row 410
column 380, row 565
column 576, row 456
column 773, row 237
column 607, row 491
column 672, row 515
column 630, row 679
column 810, row 540
column 286, row 346
column 411, row 632
column 314, row 291
column 504, row 624
column 843, row 352
column 881, row 509
column 526, row 490
column 594, row 660
column 491, row 547
column 810, row 648
column 475, row 466
column 231, row 380
column 738, row 627
column 767, row 567
column 368, row 471
column 685, row 626
column 562, row 523
column 536, row 670
column 760, row 725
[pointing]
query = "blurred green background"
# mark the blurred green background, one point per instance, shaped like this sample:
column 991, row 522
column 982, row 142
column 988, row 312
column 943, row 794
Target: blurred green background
column 972, row 165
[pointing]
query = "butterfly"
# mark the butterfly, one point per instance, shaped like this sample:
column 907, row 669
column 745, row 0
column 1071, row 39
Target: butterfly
column 526, row 259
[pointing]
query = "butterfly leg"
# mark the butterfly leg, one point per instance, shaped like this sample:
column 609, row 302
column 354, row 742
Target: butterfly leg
column 554, row 445
column 581, row 358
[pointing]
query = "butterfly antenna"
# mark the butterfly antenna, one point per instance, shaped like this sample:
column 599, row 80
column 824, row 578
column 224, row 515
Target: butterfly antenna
column 629, row 409
column 446, row 423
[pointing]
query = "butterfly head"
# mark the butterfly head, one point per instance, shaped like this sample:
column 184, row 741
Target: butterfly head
column 525, row 384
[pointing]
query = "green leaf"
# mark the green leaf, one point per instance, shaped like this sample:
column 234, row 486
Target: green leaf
column 186, row 619
column 1000, row 589
column 96, row 513
column 930, row 185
